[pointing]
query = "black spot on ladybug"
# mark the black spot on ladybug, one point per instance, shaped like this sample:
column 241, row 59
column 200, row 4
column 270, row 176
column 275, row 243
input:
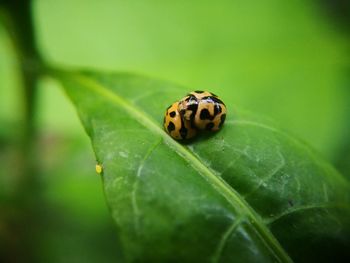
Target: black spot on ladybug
column 191, row 98
column 199, row 91
column 217, row 109
column 172, row 114
column 209, row 126
column 171, row 127
column 193, row 108
column 183, row 132
column 222, row 120
column 204, row 115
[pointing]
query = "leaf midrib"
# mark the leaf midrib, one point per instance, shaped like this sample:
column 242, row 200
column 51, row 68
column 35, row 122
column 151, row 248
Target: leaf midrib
column 219, row 184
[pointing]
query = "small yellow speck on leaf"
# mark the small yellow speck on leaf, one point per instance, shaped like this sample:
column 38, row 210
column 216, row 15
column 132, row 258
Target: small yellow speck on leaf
column 98, row 168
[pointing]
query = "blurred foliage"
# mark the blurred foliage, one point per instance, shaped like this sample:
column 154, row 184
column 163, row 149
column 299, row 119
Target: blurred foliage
column 284, row 59
column 68, row 220
column 63, row 216
column 339, row 12
column 76, row 226
column 280, row 58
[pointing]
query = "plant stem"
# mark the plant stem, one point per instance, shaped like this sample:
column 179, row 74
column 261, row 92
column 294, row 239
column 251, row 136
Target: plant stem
column 19, row 24
column 21, row 29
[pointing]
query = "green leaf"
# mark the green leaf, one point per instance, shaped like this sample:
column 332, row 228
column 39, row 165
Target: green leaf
column 249, row 193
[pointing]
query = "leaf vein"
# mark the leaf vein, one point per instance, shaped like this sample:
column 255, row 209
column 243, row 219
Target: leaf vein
column 135, row 206
column 298, row 209
column 269, row 176
column 230, row 230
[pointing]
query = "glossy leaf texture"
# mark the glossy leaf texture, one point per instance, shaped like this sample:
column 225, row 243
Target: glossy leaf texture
column 249, row 193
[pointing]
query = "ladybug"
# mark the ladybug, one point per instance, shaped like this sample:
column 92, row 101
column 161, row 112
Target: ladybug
column 199, row 110
column 204, row 110
column 176, row 126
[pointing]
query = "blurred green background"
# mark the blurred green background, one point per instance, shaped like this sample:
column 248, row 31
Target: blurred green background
column 288, row 60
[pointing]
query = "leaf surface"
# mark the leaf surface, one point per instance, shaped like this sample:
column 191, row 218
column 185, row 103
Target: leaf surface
column 249, row 193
